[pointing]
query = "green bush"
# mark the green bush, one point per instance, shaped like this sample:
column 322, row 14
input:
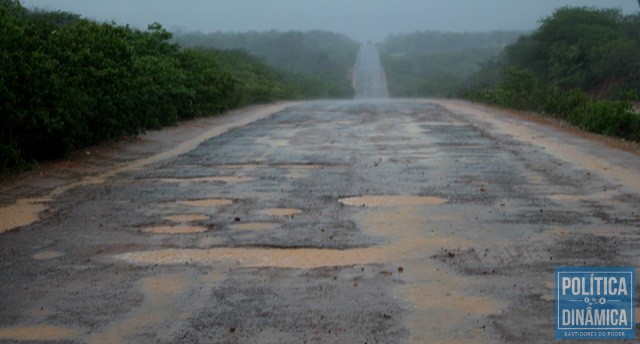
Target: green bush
column 609, row 118
column 581, row 65
column 67, row 82
column 564, row 104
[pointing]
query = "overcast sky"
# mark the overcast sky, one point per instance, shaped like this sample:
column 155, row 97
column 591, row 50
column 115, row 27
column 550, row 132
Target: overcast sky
column 360, row 19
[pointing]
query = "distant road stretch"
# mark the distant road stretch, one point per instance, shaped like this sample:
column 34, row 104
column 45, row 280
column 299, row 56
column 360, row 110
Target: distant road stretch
column 370, row 79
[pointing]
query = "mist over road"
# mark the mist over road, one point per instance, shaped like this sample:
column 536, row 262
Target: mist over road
column 370, row 80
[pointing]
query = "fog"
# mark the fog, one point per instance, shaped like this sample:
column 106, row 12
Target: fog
column 359, row 19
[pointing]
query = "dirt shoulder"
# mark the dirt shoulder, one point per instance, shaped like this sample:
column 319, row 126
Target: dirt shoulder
column 95, row 160
column 556, row 123
column 612, row 159
column 23, row 195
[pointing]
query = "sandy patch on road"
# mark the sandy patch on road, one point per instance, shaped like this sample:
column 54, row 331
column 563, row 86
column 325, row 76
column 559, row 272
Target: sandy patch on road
column 280, row 212
column 46, row 255
column 176, row 230
column 44, row 332
column 162, row 295
column 186, row 218
column 438, row 298
column 21, row 213
column 293, row 258
column 255, row 226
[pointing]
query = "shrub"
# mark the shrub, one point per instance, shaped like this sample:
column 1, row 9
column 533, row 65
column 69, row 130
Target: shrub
column 67, row 82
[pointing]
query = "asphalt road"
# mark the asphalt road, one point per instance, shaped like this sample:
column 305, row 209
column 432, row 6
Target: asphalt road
column 370, row 80
column 355, row 221
column 378, row 221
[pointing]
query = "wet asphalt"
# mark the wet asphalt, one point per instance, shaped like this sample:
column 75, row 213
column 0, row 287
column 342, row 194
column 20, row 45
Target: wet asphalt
column 362, row 221
column 370, row 80
column 275, row 256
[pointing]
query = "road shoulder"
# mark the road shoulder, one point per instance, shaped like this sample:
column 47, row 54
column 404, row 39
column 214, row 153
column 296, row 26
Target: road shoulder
column 24, row 196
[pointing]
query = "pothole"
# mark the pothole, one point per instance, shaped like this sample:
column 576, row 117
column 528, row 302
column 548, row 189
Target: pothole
column 176, row 230
column 387, row 201
column 255, row 226
column 186, row 218
column 280, row 212
column 213, row 202
column 46, row 255
column 295, row 258
column 37, row 333
column 21, row 213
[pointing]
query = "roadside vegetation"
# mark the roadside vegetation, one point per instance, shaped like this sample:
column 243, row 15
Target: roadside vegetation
column 431, row 63
column 581, row 65
column 325, row 58
column 68, row 82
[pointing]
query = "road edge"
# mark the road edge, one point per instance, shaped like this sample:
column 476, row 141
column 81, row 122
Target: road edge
column 26, row 209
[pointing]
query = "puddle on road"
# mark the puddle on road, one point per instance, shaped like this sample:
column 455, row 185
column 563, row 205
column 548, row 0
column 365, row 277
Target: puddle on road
column 165, row 304
column 21, row 213
column 255, row 226
column 390, row 201
column 445, row 301
column 280, row 212
column 216, row 179
column 176, row 230
column 442, row 302
column 386, row 223
column 37, row 333
column 213, row 202
column 186, row 218
column 258, row 257
column 438, row 317
column 46, row 255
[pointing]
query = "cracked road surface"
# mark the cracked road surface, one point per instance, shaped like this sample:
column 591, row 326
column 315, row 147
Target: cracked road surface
column 337, row 222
